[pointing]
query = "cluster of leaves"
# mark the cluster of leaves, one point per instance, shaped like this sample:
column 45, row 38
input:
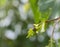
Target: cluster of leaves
column 40, row 18
column 41, row 13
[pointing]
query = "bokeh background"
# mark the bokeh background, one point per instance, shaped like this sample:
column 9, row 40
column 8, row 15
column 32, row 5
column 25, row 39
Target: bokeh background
column 16, row 18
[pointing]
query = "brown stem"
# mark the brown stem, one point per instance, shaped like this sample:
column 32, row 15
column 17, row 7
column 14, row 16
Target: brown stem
column 34, row 29
column 53, row 19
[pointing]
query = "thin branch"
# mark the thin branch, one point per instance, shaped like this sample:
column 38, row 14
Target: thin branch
column 34, row 29
column 51, row 40
column 53, row 19
column 53, row 30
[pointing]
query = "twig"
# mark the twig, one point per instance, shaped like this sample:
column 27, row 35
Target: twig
column 53, row 19
column 52, row 35
column 34, row 29
column 53, row 30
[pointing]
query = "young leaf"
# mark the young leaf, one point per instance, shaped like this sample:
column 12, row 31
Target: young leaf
column 30, row 33
column 46, row 14
column 43, row 27
column 35, row 10
column 37, row 27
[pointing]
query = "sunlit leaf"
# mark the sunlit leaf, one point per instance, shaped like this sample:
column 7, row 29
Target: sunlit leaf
column 35, row 10
column 30, row 33
column 43, row 27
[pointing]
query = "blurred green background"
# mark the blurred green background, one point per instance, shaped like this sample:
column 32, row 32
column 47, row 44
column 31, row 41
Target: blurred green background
column 16, row 18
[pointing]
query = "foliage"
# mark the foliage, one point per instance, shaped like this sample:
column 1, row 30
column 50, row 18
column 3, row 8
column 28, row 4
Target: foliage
column 40, row 17
column 33, row 25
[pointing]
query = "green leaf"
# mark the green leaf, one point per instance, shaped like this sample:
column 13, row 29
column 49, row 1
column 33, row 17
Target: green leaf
column 46, row 14
column 30, row 33
column 37, row 27
column 35, row 10
column 43, row 27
